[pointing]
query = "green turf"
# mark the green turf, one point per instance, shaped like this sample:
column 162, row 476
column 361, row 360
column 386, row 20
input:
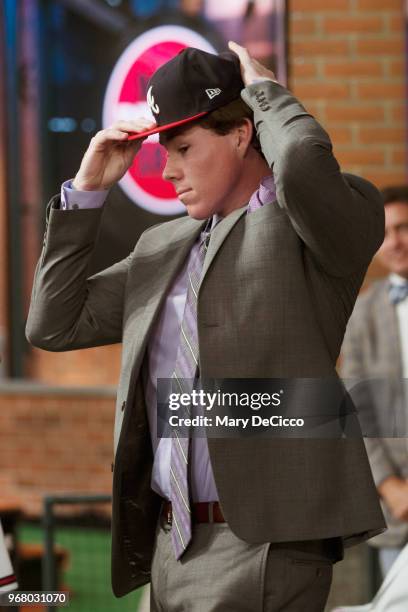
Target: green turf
column 88, row 571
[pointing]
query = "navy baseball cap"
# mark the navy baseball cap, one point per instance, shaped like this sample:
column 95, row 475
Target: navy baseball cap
column 190, row 85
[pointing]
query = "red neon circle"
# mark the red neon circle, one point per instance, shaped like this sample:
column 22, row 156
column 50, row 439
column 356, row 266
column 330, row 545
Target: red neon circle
column 149, row 163
column 147, row 170
column 134, row 87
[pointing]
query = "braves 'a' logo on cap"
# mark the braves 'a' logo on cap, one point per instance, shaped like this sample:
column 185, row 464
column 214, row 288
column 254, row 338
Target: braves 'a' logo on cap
column 211, row 93
column 150, row 100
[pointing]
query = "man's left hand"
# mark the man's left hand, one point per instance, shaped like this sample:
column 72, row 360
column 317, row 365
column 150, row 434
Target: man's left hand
column 251, row 70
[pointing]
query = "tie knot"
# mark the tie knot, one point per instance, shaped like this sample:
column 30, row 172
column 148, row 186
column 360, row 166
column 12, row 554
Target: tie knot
column 398, row 292
column 205, row 239
column 205, row 234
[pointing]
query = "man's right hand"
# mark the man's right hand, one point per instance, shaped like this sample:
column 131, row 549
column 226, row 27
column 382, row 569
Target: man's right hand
column 110, row 155
column 394, row 492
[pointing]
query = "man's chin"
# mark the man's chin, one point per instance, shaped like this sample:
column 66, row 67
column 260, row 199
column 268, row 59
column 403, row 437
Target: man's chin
column 197, row 213
column 401, row 271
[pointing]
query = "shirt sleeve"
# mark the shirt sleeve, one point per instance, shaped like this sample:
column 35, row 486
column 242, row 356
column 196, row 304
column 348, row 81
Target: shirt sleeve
column 73, row 199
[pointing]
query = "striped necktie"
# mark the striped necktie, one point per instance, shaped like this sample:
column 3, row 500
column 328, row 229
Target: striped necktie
column 185, row 373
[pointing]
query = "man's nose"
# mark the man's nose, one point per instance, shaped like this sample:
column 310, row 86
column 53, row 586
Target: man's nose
column 392, row 243
column 171, row 171
column 393, row 239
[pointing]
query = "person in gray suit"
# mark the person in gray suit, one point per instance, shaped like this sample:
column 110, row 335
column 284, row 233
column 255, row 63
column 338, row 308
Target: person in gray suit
column 257, row 281
column 376, row 346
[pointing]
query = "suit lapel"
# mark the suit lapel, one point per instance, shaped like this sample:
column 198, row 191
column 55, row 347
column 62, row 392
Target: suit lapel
column 219, row 234
column 171, row 263
column 158, row 274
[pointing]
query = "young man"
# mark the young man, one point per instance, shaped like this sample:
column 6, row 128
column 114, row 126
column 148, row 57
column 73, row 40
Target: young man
column 376, row 346
column 230, row 524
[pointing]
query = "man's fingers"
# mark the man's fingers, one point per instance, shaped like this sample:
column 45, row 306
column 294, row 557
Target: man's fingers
column 110, row 134
column 120, row 130
column 251, row 69
column 236, row 47
column 242, row 52
column 136, row 125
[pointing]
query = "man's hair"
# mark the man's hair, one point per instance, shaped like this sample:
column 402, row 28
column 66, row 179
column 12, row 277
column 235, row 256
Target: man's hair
column 395, row 193
column 221, row 121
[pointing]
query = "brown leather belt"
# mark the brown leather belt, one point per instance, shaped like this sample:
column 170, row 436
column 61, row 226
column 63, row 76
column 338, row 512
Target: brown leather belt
column 201, row 512
column 210, row 512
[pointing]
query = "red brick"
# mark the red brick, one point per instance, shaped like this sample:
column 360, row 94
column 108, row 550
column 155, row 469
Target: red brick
column 397, row 68
column 358, row 157
column 385, row 135
column 397, row 22
column 99, row 366
column 340, row 135
column 379, row 5
column 317, row 111
column 321, row 91
column 384, row 90
column 391, row 46
column 319, row 5
column 319, row 47
column 303, row 26
column 342, row 112
column 303, row 69
column 351, row 25
column 399, row 113
column 353, row 68
column 383, row 178
column 399, row 157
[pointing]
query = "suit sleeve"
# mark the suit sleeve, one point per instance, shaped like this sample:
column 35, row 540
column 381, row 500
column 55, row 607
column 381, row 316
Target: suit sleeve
column 70, row 309
column 353, row 369
column 339, row 217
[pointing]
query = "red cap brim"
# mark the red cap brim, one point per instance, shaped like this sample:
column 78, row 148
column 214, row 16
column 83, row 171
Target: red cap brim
column 163, row 128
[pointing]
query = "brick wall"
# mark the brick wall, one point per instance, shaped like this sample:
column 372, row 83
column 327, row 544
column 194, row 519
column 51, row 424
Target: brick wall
column 99, row 366
column 54, row 441
column 347, row 65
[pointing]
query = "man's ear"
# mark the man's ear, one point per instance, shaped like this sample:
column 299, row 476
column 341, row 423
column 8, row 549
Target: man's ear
column 244, row 135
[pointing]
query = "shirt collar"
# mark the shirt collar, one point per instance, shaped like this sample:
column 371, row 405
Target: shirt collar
column 396, row 279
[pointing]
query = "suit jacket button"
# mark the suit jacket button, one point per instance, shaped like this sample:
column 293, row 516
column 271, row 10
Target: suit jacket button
column 123, row 406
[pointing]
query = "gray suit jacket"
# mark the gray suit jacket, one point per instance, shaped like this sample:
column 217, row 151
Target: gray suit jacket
column 278, row 288
column 371, row 350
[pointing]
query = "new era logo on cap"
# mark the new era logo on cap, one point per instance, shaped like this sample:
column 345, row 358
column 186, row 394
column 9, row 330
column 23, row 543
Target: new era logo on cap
column 211, row 93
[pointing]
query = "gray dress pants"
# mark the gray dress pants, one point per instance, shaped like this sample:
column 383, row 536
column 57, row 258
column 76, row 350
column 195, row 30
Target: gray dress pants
column 221, row 573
